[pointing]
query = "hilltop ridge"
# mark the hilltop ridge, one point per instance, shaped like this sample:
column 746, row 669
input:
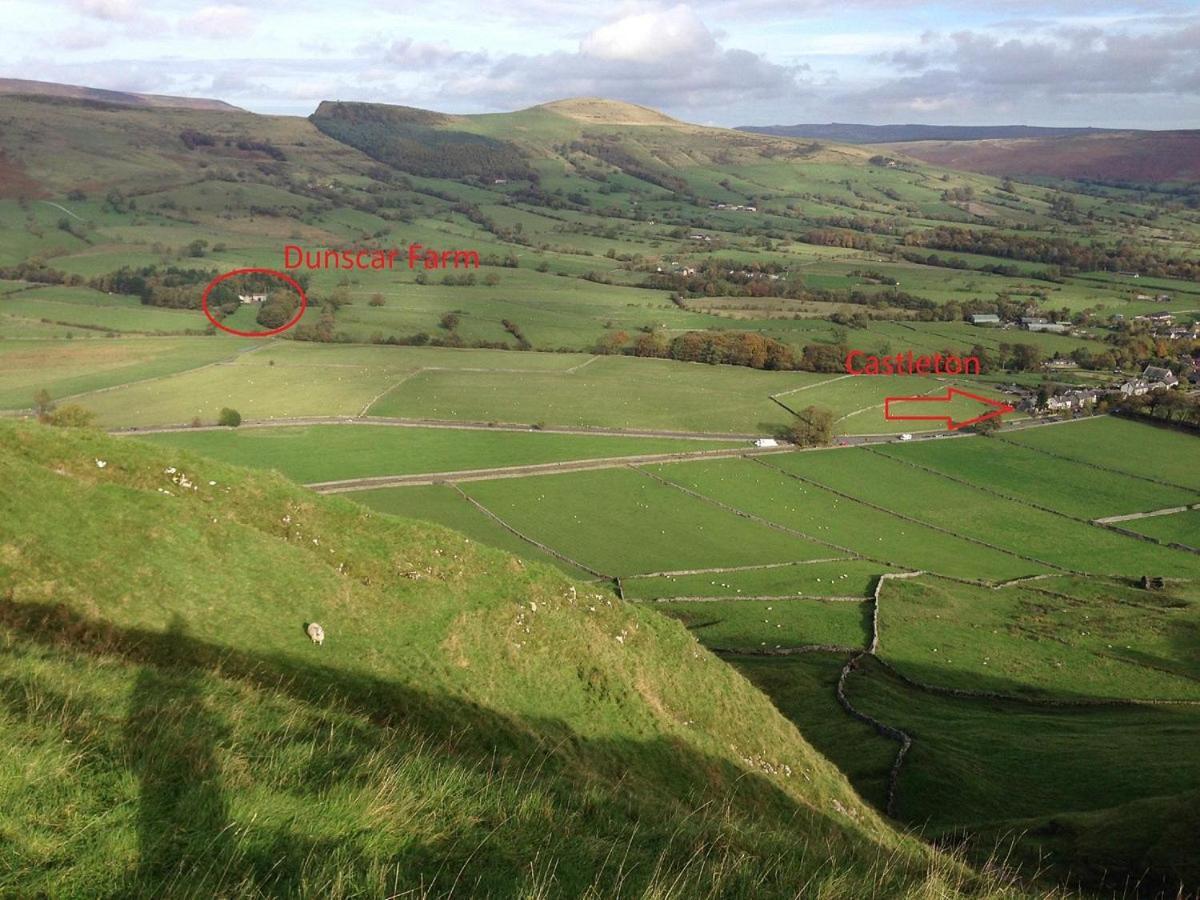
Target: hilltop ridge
column 28, row 87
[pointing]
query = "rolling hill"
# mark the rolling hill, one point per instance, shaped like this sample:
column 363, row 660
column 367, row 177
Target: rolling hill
column 26, row 87
column 1136, row 157
column 471, row 720
column 850, row 133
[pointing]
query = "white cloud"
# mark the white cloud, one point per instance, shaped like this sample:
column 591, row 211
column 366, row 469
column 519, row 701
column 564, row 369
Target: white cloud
column 650, row 36
column 220, row 22
column 109, row 10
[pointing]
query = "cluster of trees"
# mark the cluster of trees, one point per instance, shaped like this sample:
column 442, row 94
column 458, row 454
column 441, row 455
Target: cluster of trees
column 172, row 286
column 411, row 143
column 515, row 330
column 608, row 149
column 1068, row 255
column 1175, row 407
column 731, row 348
column 193, row 139
column 832, row 237
column 812, row 427
column 279, row 308
column 38, row 272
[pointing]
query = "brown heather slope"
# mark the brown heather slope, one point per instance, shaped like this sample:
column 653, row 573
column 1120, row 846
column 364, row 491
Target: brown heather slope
column 1142, row 156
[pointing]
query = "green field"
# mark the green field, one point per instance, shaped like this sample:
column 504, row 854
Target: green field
column 1013, row 525
column 741, row 624
column 67, row 368
column 1179, row 528
column 1065, row 637
column 622, row 523
column 839, row 578
column 1107, row 441
column 1059, row 484
column 336, row 452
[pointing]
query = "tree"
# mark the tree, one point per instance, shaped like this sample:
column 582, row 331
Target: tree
column 611, row 342
column 230, row 418
column 450, row 321
column 813, row 427
column 987, row 427
column 43, row 404
column 71, row 416
column 376, row 300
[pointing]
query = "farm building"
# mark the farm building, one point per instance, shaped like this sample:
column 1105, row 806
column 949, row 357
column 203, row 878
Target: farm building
column 1049, row 327
column 1160, row 375
column 766, row 442
column 252, row 298
column 985, row 319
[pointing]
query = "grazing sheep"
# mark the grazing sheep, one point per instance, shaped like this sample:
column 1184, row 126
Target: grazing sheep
column 315, row 633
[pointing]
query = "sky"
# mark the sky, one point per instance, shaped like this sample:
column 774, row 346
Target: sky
column 736, row 62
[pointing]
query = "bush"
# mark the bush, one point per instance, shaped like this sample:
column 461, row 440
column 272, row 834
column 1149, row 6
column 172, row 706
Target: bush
column 230, row 418
column 72, row 415
column 376, row 300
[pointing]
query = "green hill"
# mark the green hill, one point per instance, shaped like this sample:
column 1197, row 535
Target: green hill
column 472, row 725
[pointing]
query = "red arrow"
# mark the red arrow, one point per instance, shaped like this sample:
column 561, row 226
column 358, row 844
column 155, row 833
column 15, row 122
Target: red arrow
column 996, row 408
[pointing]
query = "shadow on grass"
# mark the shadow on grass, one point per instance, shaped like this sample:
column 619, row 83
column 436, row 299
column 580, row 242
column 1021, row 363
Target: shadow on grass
column 673, row 798
column 171, row 736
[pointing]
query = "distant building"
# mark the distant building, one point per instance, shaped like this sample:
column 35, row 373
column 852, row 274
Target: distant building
column 1160, row 375
column 766, row 442
column 1033, row 320
column 984, row 319
column 1050, row 327
column 1071, row 400
column 1136, row 387
column 252, row 298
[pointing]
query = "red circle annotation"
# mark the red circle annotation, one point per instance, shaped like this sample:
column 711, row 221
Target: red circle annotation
column 288, row 279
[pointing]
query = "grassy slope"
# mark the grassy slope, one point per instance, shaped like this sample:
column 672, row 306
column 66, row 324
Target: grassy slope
column 468, row 726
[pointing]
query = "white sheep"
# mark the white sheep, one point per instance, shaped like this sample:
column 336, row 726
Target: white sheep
column 315, row 633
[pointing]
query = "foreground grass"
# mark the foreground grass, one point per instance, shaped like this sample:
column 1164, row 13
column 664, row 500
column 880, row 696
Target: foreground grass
column 473, row 726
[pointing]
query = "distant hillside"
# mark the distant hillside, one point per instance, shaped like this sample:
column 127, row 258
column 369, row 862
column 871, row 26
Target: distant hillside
column 1130, row 156
column 879, row 134
column 591, row 137
column 51, row 145
column 123, row 98
column 471, row 720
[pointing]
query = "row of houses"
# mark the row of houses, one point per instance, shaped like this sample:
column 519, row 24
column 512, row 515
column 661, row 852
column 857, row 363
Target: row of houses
column 736, row 207
column 1153, row 378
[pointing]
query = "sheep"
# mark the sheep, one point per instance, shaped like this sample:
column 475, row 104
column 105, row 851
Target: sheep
column 315, row 633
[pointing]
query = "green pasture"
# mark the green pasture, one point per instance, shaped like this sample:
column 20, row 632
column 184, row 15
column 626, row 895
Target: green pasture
column 336, row 452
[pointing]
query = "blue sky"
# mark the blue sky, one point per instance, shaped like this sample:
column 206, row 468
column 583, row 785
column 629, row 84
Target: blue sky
column 729, row 63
